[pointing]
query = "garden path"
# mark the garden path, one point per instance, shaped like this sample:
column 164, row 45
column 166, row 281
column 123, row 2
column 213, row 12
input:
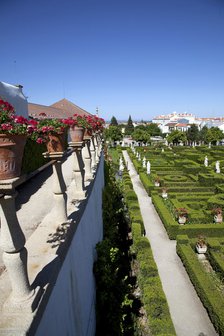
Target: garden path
column 187, row 312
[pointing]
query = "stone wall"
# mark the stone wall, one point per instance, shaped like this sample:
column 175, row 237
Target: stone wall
column 71, row 306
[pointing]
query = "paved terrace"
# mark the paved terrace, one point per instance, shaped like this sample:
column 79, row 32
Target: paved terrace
column 188, row 314
column 48, row 207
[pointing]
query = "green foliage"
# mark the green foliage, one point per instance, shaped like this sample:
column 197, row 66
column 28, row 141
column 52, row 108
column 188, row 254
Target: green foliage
column 113, row 121
column 114, row 299
column 214, row 134
column 113, row 133
column 176, row 137
column 129, row 129
column 140, row 136
column 204, row 285
column 153, row 129
column 193, row 133
column 32, row 157
column 152, row 295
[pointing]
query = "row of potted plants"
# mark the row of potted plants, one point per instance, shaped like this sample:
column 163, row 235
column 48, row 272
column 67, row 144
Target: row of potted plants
column 14, row 130
column 182, row 215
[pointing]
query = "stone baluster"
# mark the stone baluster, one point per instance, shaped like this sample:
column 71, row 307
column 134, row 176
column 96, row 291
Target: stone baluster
column 12, row 242
column 100, row 141
column 78, row 171
column 87, row 159
column 93, row 153
column 96, row 148
column 59, row 189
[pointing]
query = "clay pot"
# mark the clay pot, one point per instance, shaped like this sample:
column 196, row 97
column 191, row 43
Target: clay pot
column 11, row 155
column 87, row 134
column 77, row 133
column 182, row 220
column 56, row 143
column 218, row 218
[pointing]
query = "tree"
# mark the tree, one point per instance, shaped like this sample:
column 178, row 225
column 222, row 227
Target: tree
column 176, row 137
column 193, row 133
column 113, row 133
column 113, row 121
column 214, row 134
column 130, row 127
column 203, row 134
column 140, row 135
column 153, row 129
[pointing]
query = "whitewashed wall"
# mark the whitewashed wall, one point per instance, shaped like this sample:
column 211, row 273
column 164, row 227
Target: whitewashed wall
column 71, row 307
column 14, row 95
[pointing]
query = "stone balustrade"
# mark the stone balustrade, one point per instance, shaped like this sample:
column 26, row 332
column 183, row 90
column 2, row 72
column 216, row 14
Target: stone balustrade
column 32, row 268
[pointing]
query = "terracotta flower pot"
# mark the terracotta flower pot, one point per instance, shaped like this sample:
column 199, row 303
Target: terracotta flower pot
column 56, row 143
column 218, row 218
column 182, row 220
column 77, row 133
column 11, row 155
column 87, row 134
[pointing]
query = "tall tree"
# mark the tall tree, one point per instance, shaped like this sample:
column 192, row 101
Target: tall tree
column 130, row 127
column 193, row 133
column 176, row 137
column 153, row 129
column 113, row 133
column 214, row 134
column 140, row 135
column 203, row 133
column 113, row 121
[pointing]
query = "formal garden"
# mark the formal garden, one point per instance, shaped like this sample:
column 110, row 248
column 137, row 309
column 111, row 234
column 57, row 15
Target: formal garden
column 187, row 189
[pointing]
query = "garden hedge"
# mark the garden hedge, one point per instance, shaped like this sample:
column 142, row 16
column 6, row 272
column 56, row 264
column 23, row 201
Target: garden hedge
column 204, row 285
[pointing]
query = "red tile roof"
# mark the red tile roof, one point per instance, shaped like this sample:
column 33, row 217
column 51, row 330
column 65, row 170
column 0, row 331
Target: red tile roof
column 171, row 124
column 69, row 108
column 35, row 109
column 182, row 125
column 61, row 109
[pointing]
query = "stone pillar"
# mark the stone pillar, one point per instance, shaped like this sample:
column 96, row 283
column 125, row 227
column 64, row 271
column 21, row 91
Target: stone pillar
column 87, row 159
column 93, row 153
column 78, row 171
column 96, row 148
column 59, row 189
column 99, row 141
column 12, row 242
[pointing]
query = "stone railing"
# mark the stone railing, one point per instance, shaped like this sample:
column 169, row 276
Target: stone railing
column 48, row 286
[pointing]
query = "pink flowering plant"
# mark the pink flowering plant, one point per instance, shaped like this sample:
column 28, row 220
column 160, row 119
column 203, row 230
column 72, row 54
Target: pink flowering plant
column 47, row 126
column 78, row 120
column 10, row 123
column 89, row 122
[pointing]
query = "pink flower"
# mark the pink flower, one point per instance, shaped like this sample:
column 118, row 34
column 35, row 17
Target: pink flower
column 40, row 140
column 6, row 127
column 20, row 120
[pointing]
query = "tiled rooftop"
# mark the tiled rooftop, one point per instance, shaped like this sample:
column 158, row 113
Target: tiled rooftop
column 61, row 109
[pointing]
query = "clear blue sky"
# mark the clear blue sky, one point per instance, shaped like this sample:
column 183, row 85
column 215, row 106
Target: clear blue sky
column 142, row 58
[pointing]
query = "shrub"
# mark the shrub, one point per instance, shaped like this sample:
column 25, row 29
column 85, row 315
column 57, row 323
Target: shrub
column 32, row 157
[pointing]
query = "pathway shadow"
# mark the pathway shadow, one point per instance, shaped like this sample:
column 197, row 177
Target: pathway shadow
column 31, row 186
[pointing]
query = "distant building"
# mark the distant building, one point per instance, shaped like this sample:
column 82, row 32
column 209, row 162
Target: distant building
column 183, row 121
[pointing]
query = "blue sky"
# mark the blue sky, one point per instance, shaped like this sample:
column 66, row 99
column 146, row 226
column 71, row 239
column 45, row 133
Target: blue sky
column 140, row 58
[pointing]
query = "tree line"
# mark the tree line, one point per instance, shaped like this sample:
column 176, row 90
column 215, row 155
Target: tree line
column 144, row 132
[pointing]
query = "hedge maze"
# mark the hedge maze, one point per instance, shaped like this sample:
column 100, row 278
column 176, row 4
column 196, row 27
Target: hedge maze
column 190, row 185
column 199, row 190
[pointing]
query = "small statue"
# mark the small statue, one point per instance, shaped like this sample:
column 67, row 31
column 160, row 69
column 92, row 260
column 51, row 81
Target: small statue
column 148, row 168
column 217, row 167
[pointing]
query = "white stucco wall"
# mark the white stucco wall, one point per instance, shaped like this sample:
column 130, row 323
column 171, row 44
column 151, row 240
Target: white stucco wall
column 14, row 95
column 71, row 307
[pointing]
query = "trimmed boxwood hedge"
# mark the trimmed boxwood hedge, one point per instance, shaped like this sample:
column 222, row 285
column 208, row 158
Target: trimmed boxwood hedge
column 204, row 285
column 152, row 294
